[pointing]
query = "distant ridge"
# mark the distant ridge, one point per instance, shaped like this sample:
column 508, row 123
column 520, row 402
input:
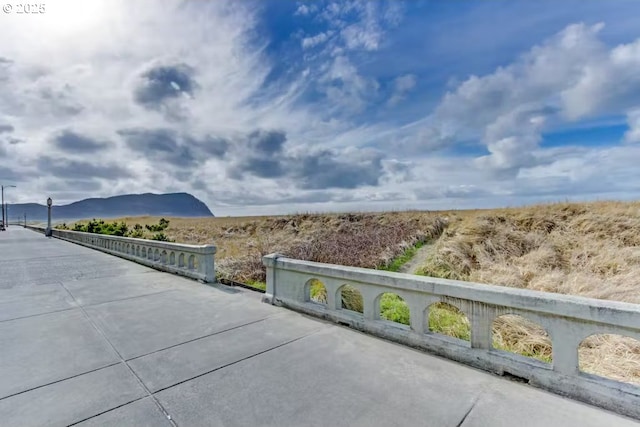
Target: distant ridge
column 173, row 204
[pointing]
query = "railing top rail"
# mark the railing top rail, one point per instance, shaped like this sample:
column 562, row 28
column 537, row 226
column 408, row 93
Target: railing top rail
column 568, row 306
column 147, row 242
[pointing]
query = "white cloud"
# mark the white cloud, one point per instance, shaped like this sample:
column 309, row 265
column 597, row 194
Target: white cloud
column 306, row 9
column 309, row 42
column 401, row 85
column 571, row 76
column 633, row 134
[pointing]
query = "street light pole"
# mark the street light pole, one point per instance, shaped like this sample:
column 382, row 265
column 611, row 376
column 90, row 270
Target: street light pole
column 48, row 230
column 4, row 216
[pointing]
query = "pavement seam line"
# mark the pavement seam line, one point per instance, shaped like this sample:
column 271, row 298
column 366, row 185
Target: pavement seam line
column 107, row 411
column 245, row 358
column 128, row 298
column 464, row 417
column 106, row 338
column 39, row 314
column 61, row 380
column 87, row 305
column 205, row 336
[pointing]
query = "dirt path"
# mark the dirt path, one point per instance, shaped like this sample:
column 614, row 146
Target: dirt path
column 418, row 259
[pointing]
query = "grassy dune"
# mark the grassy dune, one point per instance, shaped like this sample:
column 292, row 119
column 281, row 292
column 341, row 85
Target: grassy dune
column 589, row 249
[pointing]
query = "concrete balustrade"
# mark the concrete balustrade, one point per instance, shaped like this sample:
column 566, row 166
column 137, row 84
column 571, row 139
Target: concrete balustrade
column 196, row 262
column 567, row 319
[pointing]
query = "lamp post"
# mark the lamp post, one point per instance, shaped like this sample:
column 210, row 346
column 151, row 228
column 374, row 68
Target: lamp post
column 4, row 222
column 48, row 230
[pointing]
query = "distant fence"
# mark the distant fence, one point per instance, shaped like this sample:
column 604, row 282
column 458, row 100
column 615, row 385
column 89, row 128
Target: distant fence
column 196, row 262
column 567, row 319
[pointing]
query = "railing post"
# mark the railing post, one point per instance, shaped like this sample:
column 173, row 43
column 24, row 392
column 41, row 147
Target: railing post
column 370, row 309
column 269, row 261
column 564, row 344
column 482, row 316
column 417, row 315
column 206, row 263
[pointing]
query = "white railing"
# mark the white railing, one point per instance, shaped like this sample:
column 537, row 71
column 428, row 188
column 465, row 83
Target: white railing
column 196, row 262
column 567, row 319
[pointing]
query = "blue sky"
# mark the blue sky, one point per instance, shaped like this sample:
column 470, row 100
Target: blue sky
column 283, row 106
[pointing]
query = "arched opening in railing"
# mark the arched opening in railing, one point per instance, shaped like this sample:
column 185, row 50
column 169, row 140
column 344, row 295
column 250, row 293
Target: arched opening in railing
column 181, row 261
column 156, row 255
column 447, row 319
column 315, row 291
column 144, row 252
column 172, row 258
column 163, row 257
column 350, row 298
column 393, row 308
column 521, row 336
column 192, row 262
column 616, row 357
column 137, row 251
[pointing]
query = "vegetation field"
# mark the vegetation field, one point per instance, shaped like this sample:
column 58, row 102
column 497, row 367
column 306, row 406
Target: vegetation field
column 587, row 249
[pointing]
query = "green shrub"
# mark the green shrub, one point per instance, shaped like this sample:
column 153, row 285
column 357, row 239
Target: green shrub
column 394, row 308
column 137, row 232
column 161, row 237
column 159, row 227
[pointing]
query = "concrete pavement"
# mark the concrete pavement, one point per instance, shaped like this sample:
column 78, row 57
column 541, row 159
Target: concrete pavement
column 93, row 340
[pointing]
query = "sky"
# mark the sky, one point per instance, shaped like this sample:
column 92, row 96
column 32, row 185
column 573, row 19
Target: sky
column 275, row 106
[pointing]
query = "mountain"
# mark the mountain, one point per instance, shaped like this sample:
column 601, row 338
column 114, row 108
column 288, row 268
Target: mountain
column 174, row 204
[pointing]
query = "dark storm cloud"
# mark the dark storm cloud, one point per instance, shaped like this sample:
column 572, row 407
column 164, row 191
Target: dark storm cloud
column 327, row 169
column 75, row 185
column 264, row 168
column 82, row 170
column 6, row 128
column 8, row 174
column 163, row 83
column 72, row 142
column 163, row 145
column 199, row 184
column 209, row 145
column 262, row 154
column 266, row 142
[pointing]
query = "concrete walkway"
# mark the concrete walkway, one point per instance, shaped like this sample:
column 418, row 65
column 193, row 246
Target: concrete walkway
column 93, row 340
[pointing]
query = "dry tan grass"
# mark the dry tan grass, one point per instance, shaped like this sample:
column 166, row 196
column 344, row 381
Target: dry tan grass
column 589, row 249
column 357, row 239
